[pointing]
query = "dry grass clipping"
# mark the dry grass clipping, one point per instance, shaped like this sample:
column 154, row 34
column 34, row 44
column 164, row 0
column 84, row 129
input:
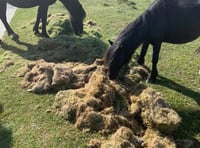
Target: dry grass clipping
column 134, row 114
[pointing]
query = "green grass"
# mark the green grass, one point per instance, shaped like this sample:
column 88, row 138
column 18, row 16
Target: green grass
column 25, row 122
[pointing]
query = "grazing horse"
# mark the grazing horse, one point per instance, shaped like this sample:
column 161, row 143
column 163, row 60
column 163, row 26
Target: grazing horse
column 171, row 21
column 76, row 11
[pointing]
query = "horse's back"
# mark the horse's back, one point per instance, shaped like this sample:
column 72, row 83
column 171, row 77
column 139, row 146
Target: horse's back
column 183, row 21
column 174, row 21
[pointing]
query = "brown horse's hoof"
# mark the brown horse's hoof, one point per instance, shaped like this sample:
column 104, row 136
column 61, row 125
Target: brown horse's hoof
column 1, row 42
column 36, row 32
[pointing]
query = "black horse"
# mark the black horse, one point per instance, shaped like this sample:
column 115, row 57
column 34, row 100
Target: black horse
column 171, row 21
column 76, row 11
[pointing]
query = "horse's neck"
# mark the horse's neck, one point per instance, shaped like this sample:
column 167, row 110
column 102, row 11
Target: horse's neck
column 135, row 33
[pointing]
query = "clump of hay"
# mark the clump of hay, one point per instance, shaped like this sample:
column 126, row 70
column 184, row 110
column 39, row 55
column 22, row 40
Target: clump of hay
column 124, row 138
column 153, row 138
column 158, row 114
column 64, row 46
column 68, row 49
column 135, row 116
column 58, row 24
column 91, row 108
column 6, row 61
column 42, row 76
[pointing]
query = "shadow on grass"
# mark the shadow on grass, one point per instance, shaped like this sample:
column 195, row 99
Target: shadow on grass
column 178, row 88
column 62, row 48
column 1, row 108
column 17, row 50
column 5, row 135
column 189, row 126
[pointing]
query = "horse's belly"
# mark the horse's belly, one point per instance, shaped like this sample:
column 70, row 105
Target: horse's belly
column 182, row 36
column 23, row 3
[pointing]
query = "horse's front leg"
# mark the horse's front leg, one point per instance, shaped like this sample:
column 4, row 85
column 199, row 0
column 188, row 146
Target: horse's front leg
column 4, row 20
column 154, row 71
column 37, row 22
column 41, row 15
column 44, row 21
column 143, row 53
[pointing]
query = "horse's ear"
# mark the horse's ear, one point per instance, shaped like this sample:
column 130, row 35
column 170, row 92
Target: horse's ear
column 110, row 42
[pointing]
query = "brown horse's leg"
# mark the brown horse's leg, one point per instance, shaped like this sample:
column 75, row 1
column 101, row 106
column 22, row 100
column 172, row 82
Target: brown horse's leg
column 4, row 20
column 77, row 14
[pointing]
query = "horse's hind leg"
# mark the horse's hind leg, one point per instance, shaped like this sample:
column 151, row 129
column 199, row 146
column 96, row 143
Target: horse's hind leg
column 143, row 53
column 4, row 20
column 154, row 71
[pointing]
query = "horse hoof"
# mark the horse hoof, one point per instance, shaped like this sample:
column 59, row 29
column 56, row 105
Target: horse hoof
column 1, row 42
column 14, row 36
column 35, row 30
column 42, row 35
column 45, row 35
column 140, row 62
column 150, row 80
column 36, row 33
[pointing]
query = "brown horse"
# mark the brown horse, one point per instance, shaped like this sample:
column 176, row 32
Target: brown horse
column 171, row 21
column 76, row 11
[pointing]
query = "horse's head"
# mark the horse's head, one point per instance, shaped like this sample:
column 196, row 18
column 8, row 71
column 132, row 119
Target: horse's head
column 76, row 20
column 77, row 14
column 114, row 59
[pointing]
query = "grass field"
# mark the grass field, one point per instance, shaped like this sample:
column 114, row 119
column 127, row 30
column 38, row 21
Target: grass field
column 25, row 120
